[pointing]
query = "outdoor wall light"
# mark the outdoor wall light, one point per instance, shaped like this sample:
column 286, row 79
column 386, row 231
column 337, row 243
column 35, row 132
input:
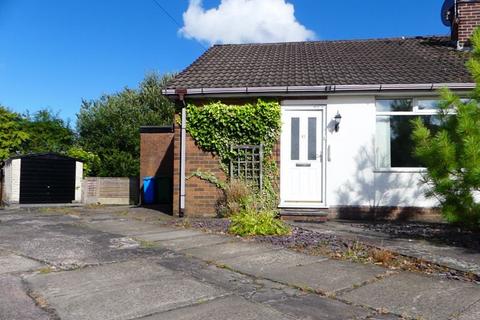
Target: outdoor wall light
column 338, row 119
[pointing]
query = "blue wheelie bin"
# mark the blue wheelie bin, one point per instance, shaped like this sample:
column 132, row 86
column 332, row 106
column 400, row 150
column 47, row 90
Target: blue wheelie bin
column 148, row 190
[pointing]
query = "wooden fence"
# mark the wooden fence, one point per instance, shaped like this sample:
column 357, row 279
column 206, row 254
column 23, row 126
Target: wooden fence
column 110, row 191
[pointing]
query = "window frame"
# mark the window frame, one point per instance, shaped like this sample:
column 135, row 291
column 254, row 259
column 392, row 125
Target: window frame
column 416, row 111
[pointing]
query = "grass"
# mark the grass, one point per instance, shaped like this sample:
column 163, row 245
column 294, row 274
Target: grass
column 46, row 270
column 59, row 210
column 145, row 244
column 123, row 213
column 382, row 256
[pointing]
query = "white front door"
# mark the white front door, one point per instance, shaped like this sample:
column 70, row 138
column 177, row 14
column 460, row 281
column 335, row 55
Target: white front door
column 302, row 176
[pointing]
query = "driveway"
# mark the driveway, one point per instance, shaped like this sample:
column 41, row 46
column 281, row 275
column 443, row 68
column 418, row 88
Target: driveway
column 123, row 263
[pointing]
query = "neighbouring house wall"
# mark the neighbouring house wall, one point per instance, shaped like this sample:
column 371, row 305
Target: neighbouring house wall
column 352, row 179
column 201, row 196
column 110, row 191
column 467, row 20
column 78, row 181
column 156, row 160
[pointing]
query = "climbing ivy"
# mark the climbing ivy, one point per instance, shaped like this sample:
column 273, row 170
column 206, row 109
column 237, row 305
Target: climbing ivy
column 216, row 126
column 209, row 177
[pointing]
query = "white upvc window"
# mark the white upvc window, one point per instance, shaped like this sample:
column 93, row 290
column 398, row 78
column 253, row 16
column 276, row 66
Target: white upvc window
column 393, row 143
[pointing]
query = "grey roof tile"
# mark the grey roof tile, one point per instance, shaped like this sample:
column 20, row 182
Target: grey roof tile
column 314, row 63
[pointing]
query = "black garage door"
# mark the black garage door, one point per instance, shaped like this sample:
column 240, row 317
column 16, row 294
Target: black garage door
column 47, row 179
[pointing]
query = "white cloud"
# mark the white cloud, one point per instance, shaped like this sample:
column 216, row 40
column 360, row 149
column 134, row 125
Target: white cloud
column 244, row 21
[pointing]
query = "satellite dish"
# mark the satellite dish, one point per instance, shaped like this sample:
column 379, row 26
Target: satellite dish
column 447, row 12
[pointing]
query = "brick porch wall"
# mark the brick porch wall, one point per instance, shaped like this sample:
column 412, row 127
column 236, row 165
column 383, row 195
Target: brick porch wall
column 201, row 196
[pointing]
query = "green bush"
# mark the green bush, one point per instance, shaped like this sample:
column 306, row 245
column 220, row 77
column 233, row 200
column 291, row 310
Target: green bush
column 253, row 223
column 91, row 161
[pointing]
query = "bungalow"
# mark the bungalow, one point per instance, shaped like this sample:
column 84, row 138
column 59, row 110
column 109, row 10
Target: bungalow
column 345, row 145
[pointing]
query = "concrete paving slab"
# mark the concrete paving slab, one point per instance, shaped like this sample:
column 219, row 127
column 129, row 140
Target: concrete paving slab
column 471, row 313
column 264, row 264
column 15, row 304
column 170, row 235
column 385, row 317
column 225, row 279
column 448, row 255
column 64, row 245
column 13, row 263
column 314, row 307
column 204, row 240
column 126, row 227
column 418, row 296
column 228, row 250
column 126, row 290
column 328, row 276
column 232, row 308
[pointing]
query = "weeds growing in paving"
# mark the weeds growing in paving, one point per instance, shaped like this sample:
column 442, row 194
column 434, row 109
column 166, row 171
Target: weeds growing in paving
column 145, row 244
column 314, row 243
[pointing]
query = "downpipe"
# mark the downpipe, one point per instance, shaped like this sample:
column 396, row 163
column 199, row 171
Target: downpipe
column 183, row 152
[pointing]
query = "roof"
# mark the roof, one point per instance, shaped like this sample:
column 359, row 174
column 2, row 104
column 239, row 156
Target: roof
column 44, row 155
column 420, row 60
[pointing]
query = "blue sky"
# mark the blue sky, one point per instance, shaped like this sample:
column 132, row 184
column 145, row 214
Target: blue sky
column 53, row 53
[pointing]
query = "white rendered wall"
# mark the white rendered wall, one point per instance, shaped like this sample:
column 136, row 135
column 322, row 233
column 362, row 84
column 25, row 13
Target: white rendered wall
column 12, row 181
column 16, row 165
column 78, row 181
column 352, row 179
column 7, row 177
column 351, row 175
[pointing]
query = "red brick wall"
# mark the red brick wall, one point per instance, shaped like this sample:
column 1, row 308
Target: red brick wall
column 468, row 19
column 156, row 157
column 201, row 196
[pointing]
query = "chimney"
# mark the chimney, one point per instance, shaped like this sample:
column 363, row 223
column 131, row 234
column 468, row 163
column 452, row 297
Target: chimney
column 463, row 16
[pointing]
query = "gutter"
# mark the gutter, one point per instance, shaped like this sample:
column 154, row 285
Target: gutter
column 322, row 89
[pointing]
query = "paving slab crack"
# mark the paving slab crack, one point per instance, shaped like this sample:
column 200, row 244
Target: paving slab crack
column 40, row 301
column 197, row 303
column 464, row 310
column 311, row 290
column 356, row 286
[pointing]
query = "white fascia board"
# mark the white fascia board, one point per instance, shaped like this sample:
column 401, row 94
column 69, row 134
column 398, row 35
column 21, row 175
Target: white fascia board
column 215, row 90
column 266, row 89
column 359, row 87
column 454, row 85
column 308, row 88
column 168, row 92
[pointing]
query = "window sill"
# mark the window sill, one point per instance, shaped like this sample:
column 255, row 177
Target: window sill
column 400, row 170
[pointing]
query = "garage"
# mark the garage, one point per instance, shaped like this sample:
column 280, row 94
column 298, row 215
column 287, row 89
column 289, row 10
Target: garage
column 46, row 178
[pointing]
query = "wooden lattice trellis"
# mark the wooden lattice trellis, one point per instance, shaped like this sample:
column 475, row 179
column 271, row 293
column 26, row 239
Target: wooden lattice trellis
column 247, row 163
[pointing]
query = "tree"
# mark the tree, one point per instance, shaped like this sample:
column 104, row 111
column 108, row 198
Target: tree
column 109, row 126
column 91, row 162
column 12, row 133
column 452, row 154
column 48, row 133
